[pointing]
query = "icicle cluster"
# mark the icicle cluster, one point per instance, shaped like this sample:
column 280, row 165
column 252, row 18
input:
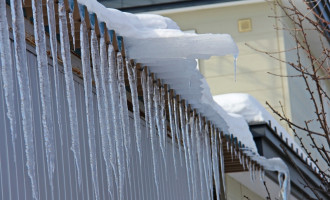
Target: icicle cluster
column 113, row 90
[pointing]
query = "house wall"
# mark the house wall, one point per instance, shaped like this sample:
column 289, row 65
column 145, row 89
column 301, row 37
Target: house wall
column 238, row 191
column 14, row 179
column 253, row 68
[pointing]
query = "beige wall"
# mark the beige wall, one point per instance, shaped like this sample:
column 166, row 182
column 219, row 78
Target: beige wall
column 252, row 66
column 236, row 191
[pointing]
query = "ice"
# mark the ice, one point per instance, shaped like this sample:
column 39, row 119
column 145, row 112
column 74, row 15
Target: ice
column 24, row 89
column 215, row 162
column 71, row 19
column 158, row 117
column 124, row 113
column 113, row 77
column 85, row 55
column 152, row 131
column 185, row 145
column 190, row 126
column 53, row 45
column 132, row 78
column 47, row 112
column 105, row 82
column 70, row 93
column 101, row 101
column 145, row 98
column 163, row 123
column 209, row 159
column 172, row 127
column 222, row 165
column 7, row 73
column 199, row 152
column 176, row 122
column 7, row 83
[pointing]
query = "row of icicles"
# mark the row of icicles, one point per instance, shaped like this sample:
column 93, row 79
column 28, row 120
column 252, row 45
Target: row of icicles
column 204, row 166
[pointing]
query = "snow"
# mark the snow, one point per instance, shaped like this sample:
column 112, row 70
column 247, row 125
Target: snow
column 247, row 107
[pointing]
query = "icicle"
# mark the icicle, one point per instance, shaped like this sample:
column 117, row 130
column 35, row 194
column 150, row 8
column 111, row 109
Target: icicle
column 132, row 78
column 145, row 97
column 47, row 112
column 71, row 19
column 177, row 129
column 205, row 154
column 185, row 147
column 151, row 131
column 8, row 83
column 215, row 162
column 243, row 161
column 158, row 120
column 232, row 152
column 222, row 163
column 172, row 127
column 262, row 175
column 240, row 157
column 101, row 98
column 198, row 131
column 85, row 55
column 105, row 83
column 124, row 114
column 189, row 137
column 7, row 73
column 208, row 160
column 70, row 93
column 116, row 120
column 53, row 45
column 163, row 117
column 227, row 144
column 250, row 166
column 25, row 91
column 235, row 66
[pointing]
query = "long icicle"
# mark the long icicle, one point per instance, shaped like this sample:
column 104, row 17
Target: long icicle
column 95, row 53
column 208, row 159
column 185, row 146
column 70, row 90
column 85, row 55
column 215, row 162
column 163, row 125
column 198, row 131
column 116, row 119
column 47, row 112
column 172, row 127
column 204, row 153
column 222, row 164
column 105, row 83
column 71, row 19
column 158, row 120
column 176, row 123
column 53, row 45
column 8, row 81
column 124, row 115
column 25, row 91
column 145, row 97
column 132, row 78
column 152, row 131
column 189, row 138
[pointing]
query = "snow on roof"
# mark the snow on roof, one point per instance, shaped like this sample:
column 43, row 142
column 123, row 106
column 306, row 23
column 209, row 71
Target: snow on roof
column 252, row 111
column 157, row 42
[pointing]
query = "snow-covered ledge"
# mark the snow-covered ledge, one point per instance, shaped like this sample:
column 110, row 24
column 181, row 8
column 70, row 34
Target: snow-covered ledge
column 243, row 109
